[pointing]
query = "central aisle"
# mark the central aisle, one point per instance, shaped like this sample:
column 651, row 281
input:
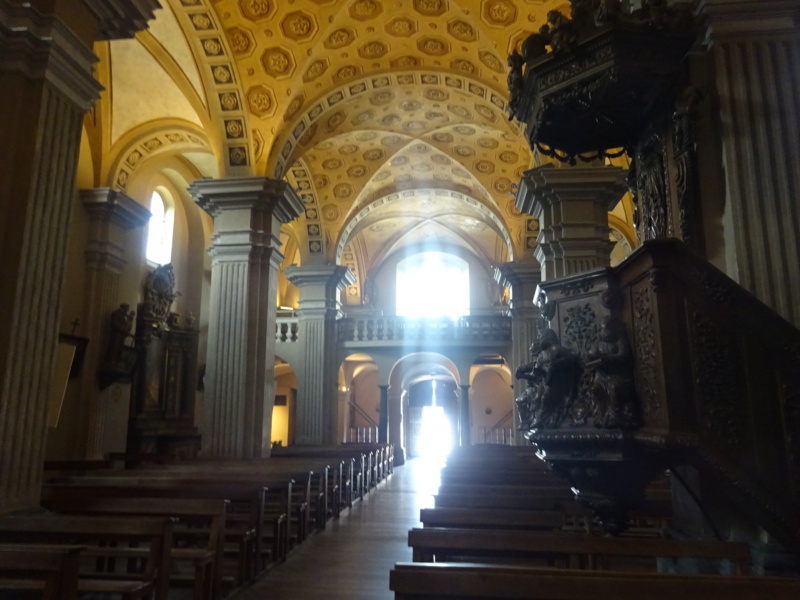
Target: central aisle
column 352, row 558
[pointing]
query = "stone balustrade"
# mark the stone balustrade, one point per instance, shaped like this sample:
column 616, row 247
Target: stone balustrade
column 478, row 328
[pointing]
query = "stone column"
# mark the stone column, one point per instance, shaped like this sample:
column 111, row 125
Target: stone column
column 240, row 382
column 465, row 422
column 572, row 205
column 755, row 49
column 46, row 78
column 383, row 421
column 319, row 308
column 522, row 278
column 111, row 214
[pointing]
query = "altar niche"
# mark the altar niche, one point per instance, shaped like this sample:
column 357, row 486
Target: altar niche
column 164, row 386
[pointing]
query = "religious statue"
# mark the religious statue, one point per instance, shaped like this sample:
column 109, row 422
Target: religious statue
column 612, row 387
column 563, row 33
column 535, row 45
column 120, row 331
column 515, row 62
column 553, row 377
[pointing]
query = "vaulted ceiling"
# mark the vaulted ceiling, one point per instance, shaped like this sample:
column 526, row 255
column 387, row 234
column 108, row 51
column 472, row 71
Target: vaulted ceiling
column 387, row 116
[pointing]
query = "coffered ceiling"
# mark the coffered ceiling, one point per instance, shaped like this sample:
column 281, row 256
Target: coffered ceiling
column 387, row 116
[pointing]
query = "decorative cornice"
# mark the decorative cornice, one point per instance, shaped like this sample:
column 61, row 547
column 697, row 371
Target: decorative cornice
column 512, row 274
column 547, row 185
column 120, row 19
column 114, row 206
column 253, row 193
column 327, row 275
column 43, row 48
column 748, row 18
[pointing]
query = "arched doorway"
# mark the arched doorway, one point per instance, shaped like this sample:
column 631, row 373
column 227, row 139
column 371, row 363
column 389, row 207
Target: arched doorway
column 359, row 399
column 283, row 410
column 491, row 401
column 420, row 381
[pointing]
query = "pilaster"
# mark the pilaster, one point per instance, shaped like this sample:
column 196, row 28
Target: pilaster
column 319, row 308
column 522, row 278
column 755, row 49
column 464, row 420
column 46, row 74
column 111, row 214
column 383, row 422
column 240, row 383
column 572, row 205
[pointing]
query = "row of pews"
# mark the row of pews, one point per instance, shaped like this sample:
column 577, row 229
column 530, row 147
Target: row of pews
column 141, row 526
column 504, row 527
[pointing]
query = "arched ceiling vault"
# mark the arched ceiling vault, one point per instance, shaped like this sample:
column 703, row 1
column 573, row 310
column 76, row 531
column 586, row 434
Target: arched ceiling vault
column 389, row 118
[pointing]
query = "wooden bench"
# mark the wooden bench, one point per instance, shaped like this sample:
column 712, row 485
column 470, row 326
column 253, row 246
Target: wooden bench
column 197, row 533
column 573, row 550
column 482, row 518
column 51, row 571
column 444, row 581
column 129, row 557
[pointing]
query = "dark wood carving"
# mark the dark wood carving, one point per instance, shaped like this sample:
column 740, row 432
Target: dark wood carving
column 163, row 393
column 608, row 82
column 712, row 381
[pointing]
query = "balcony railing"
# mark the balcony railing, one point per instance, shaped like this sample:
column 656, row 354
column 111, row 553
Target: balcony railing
column 479, row 328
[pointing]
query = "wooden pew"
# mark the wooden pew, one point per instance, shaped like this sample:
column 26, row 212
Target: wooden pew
column 480, row 518
column 110, row 542
column 52, row 571
column 576, row 550
column 197, row 532
column 244, row 515
column 280, row 502
column 445, row 581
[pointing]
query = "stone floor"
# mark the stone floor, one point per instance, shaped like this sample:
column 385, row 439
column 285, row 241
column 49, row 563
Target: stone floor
column 352, row 558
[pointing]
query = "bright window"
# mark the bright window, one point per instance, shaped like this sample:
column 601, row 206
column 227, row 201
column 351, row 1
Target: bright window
column 432, row 284
column 159, row 231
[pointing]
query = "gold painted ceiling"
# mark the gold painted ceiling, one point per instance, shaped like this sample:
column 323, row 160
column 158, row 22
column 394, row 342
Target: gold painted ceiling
column 387, row 116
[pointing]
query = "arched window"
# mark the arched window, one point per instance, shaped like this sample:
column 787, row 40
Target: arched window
column 432, row 284
column 159, row 231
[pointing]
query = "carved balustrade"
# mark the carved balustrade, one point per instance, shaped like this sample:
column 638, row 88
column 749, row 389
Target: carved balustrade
column 660, row 362
column 287, row 329
column 388, row 330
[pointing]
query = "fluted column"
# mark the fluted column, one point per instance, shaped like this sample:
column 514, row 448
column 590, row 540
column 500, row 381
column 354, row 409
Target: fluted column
column 111, row 214
column 522, row 278
column 464, row 419
column 383, row 420
column 319, row 308
column 755, row 47
column 572, row 205
column 240, row 382
column 46, row 78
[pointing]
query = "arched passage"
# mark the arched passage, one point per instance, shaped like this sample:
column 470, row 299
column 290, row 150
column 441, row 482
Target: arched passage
column 283, row 411
column 359, row 399
column 491, row 401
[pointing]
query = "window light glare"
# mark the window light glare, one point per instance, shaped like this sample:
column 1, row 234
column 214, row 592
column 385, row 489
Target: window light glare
column 432, row 284
column 159, row 231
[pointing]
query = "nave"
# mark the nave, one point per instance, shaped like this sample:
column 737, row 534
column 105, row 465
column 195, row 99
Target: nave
column 352, row 558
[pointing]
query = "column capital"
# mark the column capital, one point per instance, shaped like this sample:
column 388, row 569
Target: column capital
column 512, row 274
column 114, row 206
column 42, row 47
column 325, row 275
column 262, row 194
column 748, row 18
column 319, row 285
column 548, row 185
column 121, row 19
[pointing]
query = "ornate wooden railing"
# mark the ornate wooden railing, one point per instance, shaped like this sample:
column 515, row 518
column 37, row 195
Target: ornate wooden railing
column 660, row 362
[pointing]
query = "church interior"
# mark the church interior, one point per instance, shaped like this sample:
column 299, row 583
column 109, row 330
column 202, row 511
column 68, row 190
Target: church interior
column 263, row 256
